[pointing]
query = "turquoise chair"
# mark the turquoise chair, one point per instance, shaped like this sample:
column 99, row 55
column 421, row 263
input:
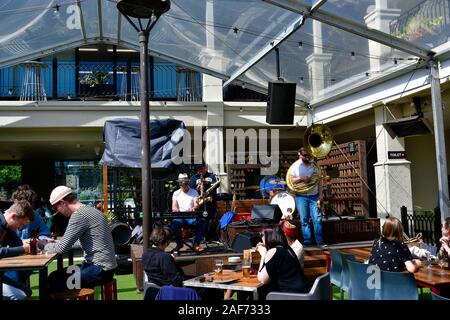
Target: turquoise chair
column 345, row 282
column 358, row 287
column 398, row 286
column 336, row 267
column 435, row 296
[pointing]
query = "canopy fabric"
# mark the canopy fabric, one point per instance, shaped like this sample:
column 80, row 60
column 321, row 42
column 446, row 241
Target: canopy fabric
column 122, row 138
column 234, row 39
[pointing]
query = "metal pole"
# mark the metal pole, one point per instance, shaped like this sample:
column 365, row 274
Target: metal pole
column 439, row 139
column 145, row 140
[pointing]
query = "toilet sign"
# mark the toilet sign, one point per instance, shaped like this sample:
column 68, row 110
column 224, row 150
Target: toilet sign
column 396, row 154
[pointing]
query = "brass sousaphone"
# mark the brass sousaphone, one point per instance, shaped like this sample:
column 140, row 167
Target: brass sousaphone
column 317, row 141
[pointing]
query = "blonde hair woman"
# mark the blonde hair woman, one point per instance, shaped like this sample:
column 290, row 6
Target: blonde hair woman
column 389, row 252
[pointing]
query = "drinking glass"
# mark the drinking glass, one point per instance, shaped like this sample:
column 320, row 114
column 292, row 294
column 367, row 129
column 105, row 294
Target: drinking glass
column 219, row 267
column 441, row 263
column 246, row 268
column 428, row 262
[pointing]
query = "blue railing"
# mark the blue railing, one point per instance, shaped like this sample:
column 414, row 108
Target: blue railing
column 102, row 80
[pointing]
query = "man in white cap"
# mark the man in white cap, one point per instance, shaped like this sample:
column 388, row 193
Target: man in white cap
column 90, row 226
column 185, row 199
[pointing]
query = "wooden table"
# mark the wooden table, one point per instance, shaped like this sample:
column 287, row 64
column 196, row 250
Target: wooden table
column 241, row 284
column 29, row 262
column 429, row 278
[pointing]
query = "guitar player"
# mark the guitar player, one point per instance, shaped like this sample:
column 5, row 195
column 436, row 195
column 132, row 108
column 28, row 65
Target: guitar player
column 184, row 200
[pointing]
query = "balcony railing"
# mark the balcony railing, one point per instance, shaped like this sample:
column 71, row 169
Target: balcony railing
column 103, row 81
column 427, row 19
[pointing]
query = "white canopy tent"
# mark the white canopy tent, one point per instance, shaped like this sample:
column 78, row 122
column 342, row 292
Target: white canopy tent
column 328, row 48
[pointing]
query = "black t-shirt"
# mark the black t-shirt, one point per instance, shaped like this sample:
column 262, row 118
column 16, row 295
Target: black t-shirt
column 390, row 255
column 285, row 272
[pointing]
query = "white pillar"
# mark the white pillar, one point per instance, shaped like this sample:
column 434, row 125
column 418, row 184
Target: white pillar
column 318, row 62
column 379, row 19
column 392, row 177
column 213, row 98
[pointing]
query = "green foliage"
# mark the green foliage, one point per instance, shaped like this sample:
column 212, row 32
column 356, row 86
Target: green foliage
column 97, row 77
column 417, row 27
column 10, row 176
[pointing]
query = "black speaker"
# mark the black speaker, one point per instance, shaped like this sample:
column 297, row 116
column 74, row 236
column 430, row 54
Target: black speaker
column 281, row 103
column 266, row 212
column 245, row 240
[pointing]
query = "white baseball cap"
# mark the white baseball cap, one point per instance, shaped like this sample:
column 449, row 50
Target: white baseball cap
column 59, row 193
column 183, row 176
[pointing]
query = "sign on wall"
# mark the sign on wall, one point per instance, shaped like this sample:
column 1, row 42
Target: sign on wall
column 396, row 154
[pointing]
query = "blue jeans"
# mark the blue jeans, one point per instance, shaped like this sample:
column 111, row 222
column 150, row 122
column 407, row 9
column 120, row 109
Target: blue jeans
column 307, row 208
column 177, row 224
column 90, row 276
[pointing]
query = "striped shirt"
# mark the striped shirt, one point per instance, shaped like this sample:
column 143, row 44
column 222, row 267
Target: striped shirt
column 90, row 226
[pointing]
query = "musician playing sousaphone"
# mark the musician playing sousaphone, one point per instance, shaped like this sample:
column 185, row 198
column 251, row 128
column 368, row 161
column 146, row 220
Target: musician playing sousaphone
column 206, row 184
column 184, row 200
column 306, row 203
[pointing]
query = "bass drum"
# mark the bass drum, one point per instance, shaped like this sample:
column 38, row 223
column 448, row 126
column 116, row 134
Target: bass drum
column 286, row 202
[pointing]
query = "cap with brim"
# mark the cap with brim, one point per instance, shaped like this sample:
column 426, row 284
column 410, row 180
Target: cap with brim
column 59, row 193
column 183, row 176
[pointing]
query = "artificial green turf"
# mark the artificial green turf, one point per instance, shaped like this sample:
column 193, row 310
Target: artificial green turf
column 126, row 286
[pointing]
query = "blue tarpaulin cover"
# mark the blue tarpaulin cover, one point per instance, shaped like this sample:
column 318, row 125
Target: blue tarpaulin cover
column 122, row 138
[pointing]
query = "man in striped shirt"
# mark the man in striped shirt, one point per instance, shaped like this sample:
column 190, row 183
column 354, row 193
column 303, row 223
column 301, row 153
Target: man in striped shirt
column 90, row 226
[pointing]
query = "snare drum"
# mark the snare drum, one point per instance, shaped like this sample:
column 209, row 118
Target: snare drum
column 286, row 202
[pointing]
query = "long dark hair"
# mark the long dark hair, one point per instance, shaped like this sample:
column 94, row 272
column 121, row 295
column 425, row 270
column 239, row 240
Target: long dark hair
column 274, row 237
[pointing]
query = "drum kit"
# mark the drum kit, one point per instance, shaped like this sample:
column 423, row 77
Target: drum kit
column 276, row 189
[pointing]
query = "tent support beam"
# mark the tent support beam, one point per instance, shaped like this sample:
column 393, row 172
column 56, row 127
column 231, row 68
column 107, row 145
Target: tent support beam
column 439, row 139
column 354, row 28
column 266, row 50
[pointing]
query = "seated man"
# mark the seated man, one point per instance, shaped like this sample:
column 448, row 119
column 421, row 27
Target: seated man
column 90, row 226
column 185, row 199
column 18, row 215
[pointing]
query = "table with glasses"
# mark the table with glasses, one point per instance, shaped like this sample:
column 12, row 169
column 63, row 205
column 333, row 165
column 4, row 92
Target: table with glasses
column 230, row 279
column 29, row 262
column 433, row 276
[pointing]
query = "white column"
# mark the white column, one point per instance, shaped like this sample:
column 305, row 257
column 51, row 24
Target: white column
column 379, row 19
column 213, row 98
column 318, row 62
column 392, row 177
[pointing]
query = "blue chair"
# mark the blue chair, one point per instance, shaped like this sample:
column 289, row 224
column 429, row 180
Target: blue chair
column 336, row 267
column 345, row 283
column 358, row 287
column 435, row 296
column 320, row 290
column 177, row 293
column 398, row 286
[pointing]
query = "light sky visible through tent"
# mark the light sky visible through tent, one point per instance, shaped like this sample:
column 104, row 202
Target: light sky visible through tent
column 220, row 37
